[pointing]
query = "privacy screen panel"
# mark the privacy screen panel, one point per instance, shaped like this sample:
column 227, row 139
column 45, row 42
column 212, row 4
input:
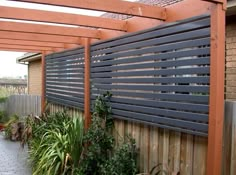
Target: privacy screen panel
column 65, row 78
column 159, row 76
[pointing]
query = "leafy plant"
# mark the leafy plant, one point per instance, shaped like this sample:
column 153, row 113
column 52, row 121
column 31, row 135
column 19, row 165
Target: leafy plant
column 55, row 143
column 3, row 99
column 101, row 157
column 100, row 141
column 3, row 116
column 13, row 127
column 123, row 161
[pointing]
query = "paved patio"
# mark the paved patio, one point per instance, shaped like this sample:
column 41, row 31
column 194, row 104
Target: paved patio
column 13, row 159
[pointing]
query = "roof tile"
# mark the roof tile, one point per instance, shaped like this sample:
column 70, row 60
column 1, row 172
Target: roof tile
column 161, row 3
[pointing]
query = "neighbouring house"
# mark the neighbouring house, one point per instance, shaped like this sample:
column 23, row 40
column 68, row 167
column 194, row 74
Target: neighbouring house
column 230, row 71
column 33, row 60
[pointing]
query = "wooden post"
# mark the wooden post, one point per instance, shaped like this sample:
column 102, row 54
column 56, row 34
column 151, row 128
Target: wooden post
column 43, row 92
column 216, row 114
column 87, row 113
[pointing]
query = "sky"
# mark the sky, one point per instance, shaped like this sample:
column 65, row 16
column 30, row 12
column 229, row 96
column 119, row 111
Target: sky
column 8, row 65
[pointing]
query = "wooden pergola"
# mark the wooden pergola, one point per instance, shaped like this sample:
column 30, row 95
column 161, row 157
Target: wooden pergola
column 37, row 37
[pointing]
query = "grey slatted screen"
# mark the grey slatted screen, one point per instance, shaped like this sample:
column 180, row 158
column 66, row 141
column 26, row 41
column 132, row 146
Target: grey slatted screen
column 158, row 76
column 65, row 78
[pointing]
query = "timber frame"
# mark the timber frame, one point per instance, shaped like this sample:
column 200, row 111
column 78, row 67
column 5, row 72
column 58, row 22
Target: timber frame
column 35, row 37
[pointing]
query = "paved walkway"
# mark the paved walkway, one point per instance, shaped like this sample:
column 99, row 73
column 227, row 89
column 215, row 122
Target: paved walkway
column 13, row 159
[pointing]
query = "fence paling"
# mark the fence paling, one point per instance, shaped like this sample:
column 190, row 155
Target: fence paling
column 23, row 105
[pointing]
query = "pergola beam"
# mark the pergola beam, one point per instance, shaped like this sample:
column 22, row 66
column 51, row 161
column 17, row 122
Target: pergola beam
column 112, row 6
column 61, row 18
column 30, row 43
column 37, row 48
column 19, row 50
column 47, row 29
column 39, row 37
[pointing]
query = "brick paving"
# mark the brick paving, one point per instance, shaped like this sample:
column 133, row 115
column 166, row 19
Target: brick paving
column 13, row 159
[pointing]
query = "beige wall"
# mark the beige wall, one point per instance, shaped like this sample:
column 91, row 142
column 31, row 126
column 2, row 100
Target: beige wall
column 230, row 84
column 34, row 78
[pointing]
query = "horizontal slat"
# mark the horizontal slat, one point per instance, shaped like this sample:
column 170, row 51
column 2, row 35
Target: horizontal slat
column 66, row 53
column 57, row 91
column 70, row 62
column 156, row 57
column 202, row 99
column 75, row 66
column 151, row 34
column 152, row 48
column 193, row 132
column 188, row 116
column 65, row 71
column 69, row 98
column 73, row 60
column 77, row 57
column 182, row 71
column 199, row 79
column 65, row 102
column 175, row 63
column 173, row 88
column 68, row 75
column 163, row 120
column 64, row 84
column 76, row 80
column 163, row 104
column 68, row 88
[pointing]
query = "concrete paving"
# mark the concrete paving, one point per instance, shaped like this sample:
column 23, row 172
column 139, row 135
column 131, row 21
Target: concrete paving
column 13, row 159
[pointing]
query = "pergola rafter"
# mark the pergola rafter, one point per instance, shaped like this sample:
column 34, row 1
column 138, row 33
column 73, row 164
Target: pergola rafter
column 39, row 37
column 62, row 18
column 113, row 6
column 47, row 29
column 31, row 43
column 19, row 50
column 40, row 48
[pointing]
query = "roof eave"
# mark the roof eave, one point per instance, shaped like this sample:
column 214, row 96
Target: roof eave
column 29, row 58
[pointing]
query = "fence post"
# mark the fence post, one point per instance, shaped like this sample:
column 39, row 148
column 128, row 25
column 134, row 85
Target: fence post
column 43, row 91
column 216, row 111
column 87, row 113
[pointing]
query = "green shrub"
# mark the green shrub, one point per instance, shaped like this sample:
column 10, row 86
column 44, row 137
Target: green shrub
column 56, row 144
column 123, row 162
column 3, row 99
column 101, row 156
column 3, row 116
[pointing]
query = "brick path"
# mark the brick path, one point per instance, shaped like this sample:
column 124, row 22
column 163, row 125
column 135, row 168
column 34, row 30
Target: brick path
column 13, row 160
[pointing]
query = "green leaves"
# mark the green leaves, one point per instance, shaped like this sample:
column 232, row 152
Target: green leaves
column 56, row 144
column 101, row 156
column 59, row 147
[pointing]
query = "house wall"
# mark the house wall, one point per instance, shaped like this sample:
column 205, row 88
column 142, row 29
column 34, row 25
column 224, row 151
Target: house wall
column 35, row 78
column 230, row 73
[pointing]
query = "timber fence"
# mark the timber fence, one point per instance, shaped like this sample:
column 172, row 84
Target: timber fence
column 22, row 105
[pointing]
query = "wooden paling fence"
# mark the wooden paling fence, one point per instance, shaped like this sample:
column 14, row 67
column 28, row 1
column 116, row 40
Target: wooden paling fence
column 229, row 148
column 172, row 150
column 23, row 105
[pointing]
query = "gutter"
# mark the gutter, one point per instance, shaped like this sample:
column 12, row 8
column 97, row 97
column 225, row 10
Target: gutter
column 25, row 59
